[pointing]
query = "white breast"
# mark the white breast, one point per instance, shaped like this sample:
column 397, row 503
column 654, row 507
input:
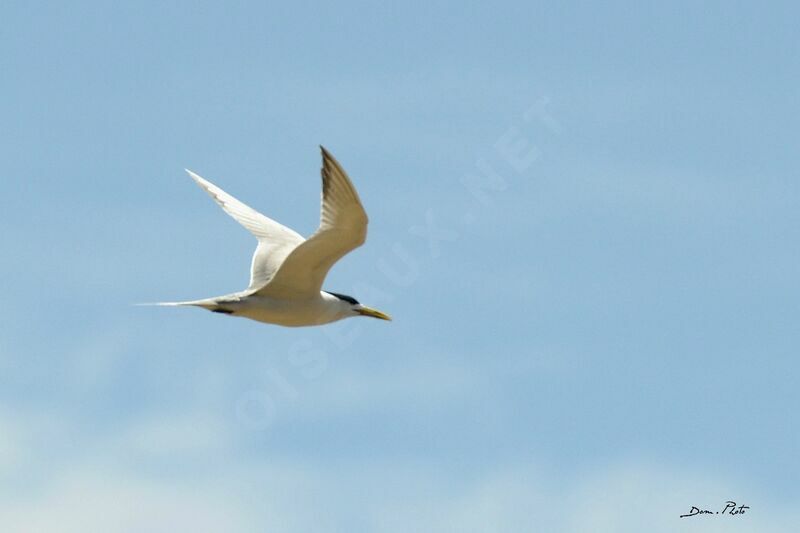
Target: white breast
column 292, row 312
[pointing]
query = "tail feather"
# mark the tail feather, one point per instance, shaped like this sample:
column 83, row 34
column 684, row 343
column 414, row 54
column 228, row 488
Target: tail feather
column 209, row 304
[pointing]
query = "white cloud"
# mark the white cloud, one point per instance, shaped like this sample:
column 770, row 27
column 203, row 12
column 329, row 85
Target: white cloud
column 94, row 498
column 183, row 471
column 391, row 497
column 11, row 449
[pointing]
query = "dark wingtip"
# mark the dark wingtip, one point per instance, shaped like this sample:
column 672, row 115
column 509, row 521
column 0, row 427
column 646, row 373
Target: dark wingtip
column 323, row 172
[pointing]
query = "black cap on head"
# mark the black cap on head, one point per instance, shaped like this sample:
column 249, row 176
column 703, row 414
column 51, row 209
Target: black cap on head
column 344, row 297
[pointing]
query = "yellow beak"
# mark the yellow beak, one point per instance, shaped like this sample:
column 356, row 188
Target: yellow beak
column 374, row 313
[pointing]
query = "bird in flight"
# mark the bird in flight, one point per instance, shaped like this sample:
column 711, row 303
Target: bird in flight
column 287, row 271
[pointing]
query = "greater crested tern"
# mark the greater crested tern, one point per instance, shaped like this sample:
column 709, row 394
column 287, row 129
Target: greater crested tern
column 287, row 271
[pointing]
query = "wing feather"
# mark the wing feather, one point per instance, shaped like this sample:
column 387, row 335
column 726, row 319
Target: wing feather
column 275, row 241
column 342, row 228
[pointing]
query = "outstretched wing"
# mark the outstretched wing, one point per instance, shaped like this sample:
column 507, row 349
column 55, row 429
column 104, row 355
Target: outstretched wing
column 275, row 241
column 342, row 227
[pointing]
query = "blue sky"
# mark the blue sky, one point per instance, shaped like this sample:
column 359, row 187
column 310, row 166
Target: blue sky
column 583, row 219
